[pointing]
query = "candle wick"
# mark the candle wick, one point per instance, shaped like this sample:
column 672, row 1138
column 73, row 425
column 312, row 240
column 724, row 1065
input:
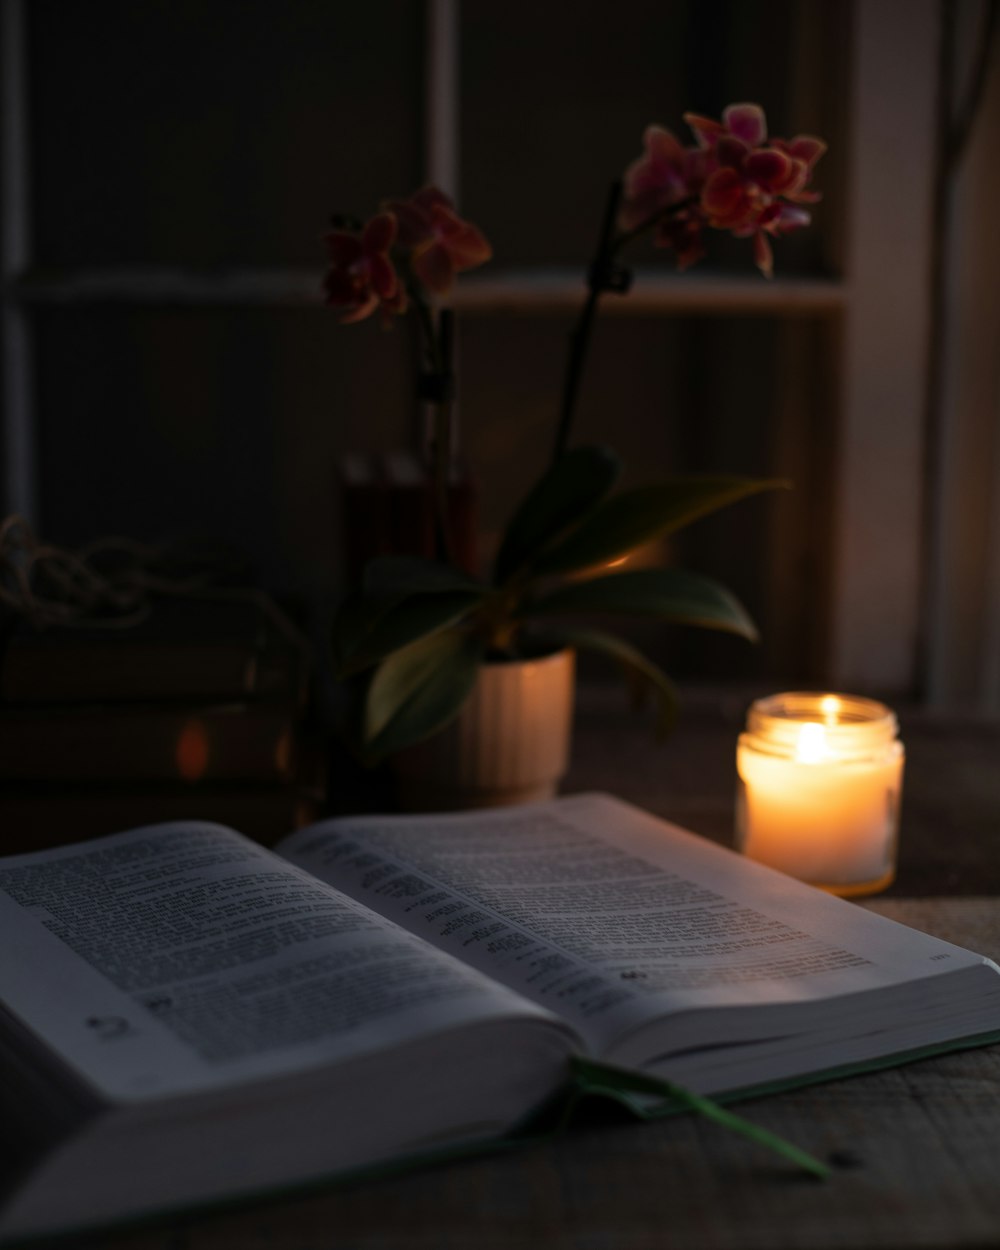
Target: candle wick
column 812, row 746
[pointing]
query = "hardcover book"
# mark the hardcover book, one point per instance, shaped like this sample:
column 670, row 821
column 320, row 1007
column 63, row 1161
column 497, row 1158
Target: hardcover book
column 149, row 742
column 214, row 1019
column 186, row 648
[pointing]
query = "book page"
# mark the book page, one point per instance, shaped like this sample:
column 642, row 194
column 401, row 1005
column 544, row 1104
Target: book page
column 184, row 957
column 611, row 917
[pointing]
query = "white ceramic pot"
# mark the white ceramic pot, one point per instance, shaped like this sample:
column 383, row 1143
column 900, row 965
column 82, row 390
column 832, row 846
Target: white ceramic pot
column 509, row 744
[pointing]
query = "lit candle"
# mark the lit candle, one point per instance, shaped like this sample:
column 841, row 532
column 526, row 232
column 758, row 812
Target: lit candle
column 819, row 786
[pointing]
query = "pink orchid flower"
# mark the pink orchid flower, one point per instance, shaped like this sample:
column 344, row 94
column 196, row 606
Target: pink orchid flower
column 666, row 174
column 441, row 243
column 755, row 185
column 682, row 231
column 742, row 121
column 362, row 276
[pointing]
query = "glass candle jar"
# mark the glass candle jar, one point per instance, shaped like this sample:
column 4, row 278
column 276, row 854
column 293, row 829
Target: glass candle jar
column 820, row 779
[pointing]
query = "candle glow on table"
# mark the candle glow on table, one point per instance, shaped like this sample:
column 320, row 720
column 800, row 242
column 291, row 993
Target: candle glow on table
column 820, row 778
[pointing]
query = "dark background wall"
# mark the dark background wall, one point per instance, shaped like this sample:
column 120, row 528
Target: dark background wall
column 189, row 152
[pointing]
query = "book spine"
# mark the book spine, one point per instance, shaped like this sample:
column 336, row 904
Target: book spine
column 35, row 816
column 126, row 670
column 239, row 742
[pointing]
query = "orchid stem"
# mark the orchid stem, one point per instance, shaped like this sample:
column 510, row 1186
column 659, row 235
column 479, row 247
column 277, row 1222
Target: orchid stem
column 439, row 390
column 580, row 336
column 603, row 277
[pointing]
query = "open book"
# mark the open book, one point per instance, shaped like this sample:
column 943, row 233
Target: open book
column 209, row 1018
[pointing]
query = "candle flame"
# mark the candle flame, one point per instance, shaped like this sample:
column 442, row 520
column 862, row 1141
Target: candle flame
column 829, row 705
column 812, row 747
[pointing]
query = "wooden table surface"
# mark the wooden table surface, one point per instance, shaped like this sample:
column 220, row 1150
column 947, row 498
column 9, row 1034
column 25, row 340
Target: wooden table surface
column 950, row 825
column 917, row 1150
column 916, row 1147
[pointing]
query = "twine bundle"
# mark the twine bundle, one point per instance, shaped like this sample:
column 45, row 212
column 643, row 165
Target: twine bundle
column 112, row 583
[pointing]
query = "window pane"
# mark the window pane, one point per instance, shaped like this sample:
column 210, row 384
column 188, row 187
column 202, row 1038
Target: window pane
column 223, row 133
column 220, row 423
column 556, row 99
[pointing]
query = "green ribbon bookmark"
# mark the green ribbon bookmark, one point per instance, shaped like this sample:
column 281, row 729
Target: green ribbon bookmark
column 590, row 1077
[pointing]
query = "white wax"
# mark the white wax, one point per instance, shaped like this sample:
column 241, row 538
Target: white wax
column 832, row 821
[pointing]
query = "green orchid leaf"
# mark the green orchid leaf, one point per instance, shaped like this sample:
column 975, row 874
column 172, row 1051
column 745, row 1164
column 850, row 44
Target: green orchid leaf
column 591, row 1076
column 568, row 491
column 397, row 576
column 368, row 629
column 356, row 617
column 669, row 594
column 418, row 690
column 624, row 522
column 641, row 675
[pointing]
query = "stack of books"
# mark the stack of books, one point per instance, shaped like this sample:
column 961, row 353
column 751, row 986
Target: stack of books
column 198, row 711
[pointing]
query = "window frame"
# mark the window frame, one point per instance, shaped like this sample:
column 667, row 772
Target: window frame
column 877, row 593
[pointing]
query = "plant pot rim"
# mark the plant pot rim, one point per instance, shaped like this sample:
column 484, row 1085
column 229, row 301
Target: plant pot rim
column 550, row 655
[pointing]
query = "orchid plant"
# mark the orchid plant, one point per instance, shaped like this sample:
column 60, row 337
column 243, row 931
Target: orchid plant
column 421, row 628
column 406, row 257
